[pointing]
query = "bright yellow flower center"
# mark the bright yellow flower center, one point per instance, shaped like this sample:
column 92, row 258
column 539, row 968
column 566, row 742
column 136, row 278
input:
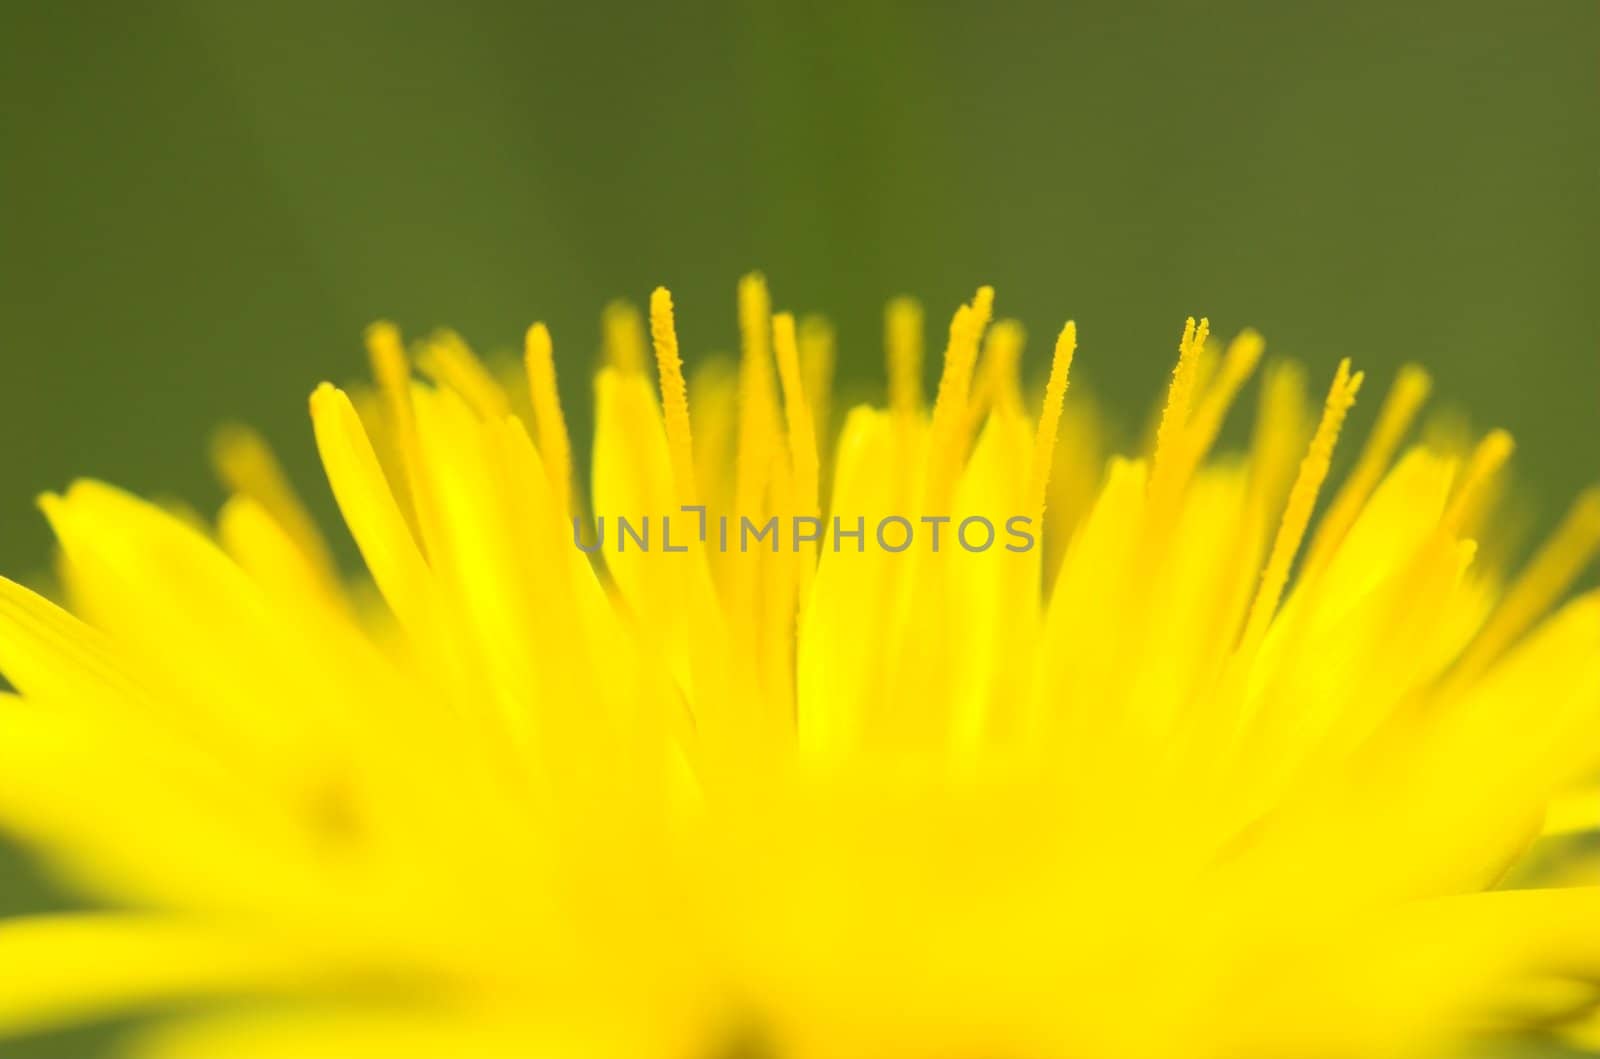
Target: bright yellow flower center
column 987, row 745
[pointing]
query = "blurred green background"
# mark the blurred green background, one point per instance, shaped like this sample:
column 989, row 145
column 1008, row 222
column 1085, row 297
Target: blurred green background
column 205, row 201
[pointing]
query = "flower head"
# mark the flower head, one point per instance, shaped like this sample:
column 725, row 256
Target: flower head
column 985, row 746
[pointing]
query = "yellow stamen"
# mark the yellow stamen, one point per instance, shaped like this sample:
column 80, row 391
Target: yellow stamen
column 1238, row 364
column 903, row 340
column 960, row 358
column 1302, row 498
column 449, row 361
column 950, row 406
column 983, row 311
column 714, row 396
column 1175, row 414
column 1550, row 573
column 674, row 391
column 392, row 370
column 1001, row 384
column 817, row 357
column 1055, row 394
column 555, row 448
column 1400, row 408
column 622, row 338
column 758, row 417
column 1282, row 431
column 1488, row 457
column 1185, row 432
column 802, row 431
column 755, row 317
column 1206, row 363
column 247, row 466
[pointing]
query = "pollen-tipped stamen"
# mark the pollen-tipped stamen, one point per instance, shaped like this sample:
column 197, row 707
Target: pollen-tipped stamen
column 1302, row 499
column 1175, row 414
column 1044, row 438
column 947, row 448
column 674, row 392
column 1405, row 399
column 555, row 446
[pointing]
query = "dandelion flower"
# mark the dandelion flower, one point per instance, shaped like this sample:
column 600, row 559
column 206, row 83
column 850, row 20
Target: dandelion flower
column 939, row 737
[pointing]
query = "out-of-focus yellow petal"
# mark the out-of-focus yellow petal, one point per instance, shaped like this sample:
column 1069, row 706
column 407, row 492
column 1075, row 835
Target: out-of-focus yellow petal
column 1181, row 769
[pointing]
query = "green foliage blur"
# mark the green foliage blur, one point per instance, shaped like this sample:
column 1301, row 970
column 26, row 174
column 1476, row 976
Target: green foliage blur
column 204, row 202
